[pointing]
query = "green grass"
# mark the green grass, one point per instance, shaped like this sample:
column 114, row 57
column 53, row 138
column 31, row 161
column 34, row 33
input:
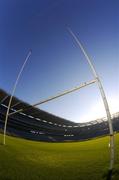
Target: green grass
column 27, row 160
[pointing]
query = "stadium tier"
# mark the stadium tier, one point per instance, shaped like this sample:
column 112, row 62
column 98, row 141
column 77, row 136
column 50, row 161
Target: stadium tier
column 36, row 124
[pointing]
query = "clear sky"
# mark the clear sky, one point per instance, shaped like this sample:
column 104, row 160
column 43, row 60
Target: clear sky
column 56, row 62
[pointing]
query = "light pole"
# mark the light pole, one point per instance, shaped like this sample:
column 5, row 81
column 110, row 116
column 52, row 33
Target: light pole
column 103, row 98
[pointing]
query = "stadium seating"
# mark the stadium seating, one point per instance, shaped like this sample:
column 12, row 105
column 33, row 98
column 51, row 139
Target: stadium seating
column 36, row 124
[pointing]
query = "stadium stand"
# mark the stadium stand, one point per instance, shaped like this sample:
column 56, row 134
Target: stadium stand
column 36, row 124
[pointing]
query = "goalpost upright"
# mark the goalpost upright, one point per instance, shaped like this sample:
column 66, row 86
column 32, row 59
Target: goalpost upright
column 12, row 94
column 103, row 98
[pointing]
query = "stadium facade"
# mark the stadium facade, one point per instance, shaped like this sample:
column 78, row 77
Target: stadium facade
column 36, row 124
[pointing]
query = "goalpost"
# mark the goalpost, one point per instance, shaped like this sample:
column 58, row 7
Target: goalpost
column 12, row 94
column 96, row 79
column 103, row 98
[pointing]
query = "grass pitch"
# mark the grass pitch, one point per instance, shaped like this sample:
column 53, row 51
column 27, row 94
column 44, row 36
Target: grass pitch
column 27, row 160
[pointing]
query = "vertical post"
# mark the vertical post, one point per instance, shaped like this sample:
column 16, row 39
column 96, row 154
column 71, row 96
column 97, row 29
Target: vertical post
column 103, row 98
column 12, row 94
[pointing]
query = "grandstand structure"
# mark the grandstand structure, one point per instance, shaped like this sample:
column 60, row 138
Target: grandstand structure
column 39, row 125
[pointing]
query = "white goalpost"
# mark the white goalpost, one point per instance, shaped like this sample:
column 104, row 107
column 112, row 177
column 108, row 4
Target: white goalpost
column 95, row 80
column 12, row 94
column 103, row 97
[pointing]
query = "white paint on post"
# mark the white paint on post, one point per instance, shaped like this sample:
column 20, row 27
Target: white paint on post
column 103, row 97
column 12, row 94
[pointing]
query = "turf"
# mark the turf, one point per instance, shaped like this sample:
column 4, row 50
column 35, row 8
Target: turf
column 27, row 160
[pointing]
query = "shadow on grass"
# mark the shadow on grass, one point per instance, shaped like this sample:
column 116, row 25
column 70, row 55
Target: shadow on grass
column 110, row 174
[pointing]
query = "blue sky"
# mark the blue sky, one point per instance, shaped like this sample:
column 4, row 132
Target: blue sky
column 56, row 62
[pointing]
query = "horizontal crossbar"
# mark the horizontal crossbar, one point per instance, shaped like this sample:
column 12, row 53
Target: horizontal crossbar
column 56, row 96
